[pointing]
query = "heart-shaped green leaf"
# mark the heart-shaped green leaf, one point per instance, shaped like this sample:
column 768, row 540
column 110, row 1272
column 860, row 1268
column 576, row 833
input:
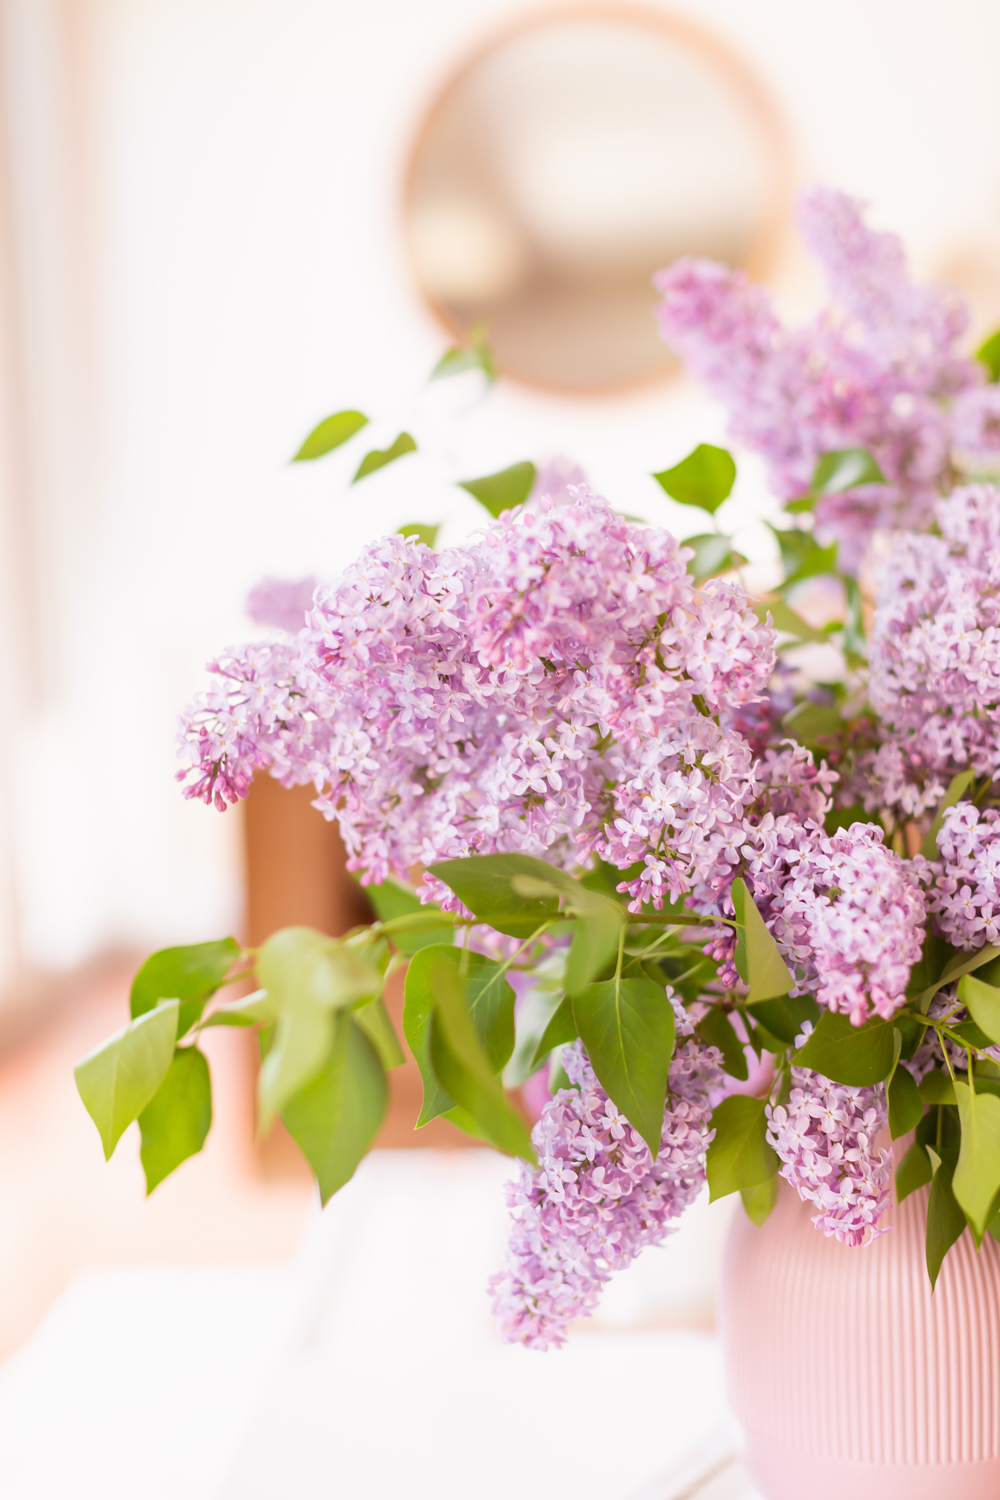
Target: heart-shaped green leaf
column 849, row 1054
column 483, row 883
column 983, row 1004
column 117, row 1080
column 704, row 479
column 330, row 434
column 758, row 958
column 462, row 1065
column 177, row 1119
column 906, row 1107
column 336, row 1116
column 487, row 997
column 379, row 457
column 627, row 1027
column 739, row 1157
column 502, row 491
column 190, row 974
column 977, row 1177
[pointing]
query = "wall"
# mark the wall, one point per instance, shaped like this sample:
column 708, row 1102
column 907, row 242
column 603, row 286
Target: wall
column 207, row 259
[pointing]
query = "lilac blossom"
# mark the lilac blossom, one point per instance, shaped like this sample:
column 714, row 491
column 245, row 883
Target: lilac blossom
column 879, row 369
column 560, row 686
column 826, row 1138
column 597, row 1198
column 281, row 603
column 935, row 653
column 963, row 893
column 251, row 717
column 848, row 913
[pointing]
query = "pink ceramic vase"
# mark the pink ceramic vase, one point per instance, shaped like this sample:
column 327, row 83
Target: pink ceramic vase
column 851, row 1381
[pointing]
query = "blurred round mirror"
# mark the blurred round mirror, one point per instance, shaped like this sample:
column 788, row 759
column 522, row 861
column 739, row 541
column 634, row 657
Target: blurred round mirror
column 565, row 164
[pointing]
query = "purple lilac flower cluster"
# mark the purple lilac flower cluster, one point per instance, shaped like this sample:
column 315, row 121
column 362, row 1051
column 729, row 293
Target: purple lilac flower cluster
column 935, row 653
column 880, row 370
column 252, row 716
column 963, row 892
column 597, row 1198
column 557, row 687
column 848, row 913
column 825, row 1137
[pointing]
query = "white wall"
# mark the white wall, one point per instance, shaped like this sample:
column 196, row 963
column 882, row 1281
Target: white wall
column 241, row 240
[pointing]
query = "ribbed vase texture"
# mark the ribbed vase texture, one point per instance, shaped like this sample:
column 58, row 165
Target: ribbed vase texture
column 851, row 1381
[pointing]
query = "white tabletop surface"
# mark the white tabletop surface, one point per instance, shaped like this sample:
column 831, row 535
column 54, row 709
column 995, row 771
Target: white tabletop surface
column 367, row 1368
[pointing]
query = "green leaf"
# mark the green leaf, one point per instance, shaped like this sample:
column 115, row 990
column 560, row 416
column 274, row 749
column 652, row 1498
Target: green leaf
column 715, row 1029
column 906, row 1107
column 810, row 722
column 977, row 1177
column 784, row 1017
column 300, row 964
column 705, row 478
column 499, row 492
column 596, row 937
column 957, row 788
column 988, row 354
column 945, row 1220
column 758, row 958
column 330, row 434
column 961, row 963
column 379, row 457
column 983, row 1004
column 336, row 1117
column 462, row 1065
column 713, row 554
column 309, row 976
column 561, row 1028
column 189, row 974
column 422, row 530
column 391, row 900
column 117, row 1080
column 482, row 882
column 802, row 555
column 257, row 1009
column 627, row 1027
column 487, row 998
column 739, row 1156
column 913, row 1171
column 844, row 469
column 376, row 1023
column 759, row 1201
column 784, row 618
column 935, row 955
column 177, row 1119
column 849, row 1054
column 936, row 1087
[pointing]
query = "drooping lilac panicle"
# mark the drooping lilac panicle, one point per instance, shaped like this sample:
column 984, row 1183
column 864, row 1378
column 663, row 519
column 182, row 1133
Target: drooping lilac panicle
column 935, row 652
column 825, row 1137
column 252, row 716
column 848, row 913
column 597, row 1198
column 963, row 892
column 878, row 370
column 559, row 686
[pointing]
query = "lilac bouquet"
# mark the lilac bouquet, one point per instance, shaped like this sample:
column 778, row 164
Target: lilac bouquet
column 744, row 924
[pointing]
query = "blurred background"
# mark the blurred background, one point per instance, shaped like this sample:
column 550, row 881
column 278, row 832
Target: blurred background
column 221, row 220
